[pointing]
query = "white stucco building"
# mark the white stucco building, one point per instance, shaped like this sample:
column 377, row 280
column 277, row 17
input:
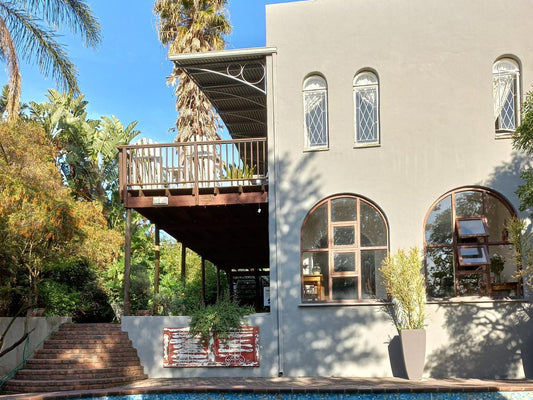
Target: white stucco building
column 384, row 125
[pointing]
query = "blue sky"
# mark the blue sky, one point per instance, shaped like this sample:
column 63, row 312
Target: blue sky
column 126, row 75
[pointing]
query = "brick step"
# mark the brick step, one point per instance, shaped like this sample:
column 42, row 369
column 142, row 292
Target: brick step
column 66, row 335
column 80, row 357
column 91, row 327
column 78, row 373
column 77, row 353
column 80, row 362
column 90, row 339
column 93, row 344
column 31, row 386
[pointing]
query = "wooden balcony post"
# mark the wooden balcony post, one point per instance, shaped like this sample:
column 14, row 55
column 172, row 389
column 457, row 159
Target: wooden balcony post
column 157, row 260
column 203, row 280
column 127, row 263
column 183, row 262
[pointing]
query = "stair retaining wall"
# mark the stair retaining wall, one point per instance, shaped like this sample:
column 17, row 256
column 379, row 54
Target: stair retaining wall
column 43, row 327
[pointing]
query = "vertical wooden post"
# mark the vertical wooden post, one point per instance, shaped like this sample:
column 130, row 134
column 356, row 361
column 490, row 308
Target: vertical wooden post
column 258, row 291
column 203, row 280
column 157, row 265
column 218, row 283
column 183, row 262
column 127, row 263
column 157, row 259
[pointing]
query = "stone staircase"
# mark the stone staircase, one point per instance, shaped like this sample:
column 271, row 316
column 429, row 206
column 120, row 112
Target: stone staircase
column 80, row 357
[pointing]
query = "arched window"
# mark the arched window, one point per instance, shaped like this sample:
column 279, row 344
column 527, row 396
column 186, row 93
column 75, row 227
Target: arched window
column 465, row 236
column 366, row 100
column 506, row 94
column 344, row 239
column 315, row 96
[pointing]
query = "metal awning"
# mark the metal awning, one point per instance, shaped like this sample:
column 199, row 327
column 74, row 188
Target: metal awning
column 235, row 83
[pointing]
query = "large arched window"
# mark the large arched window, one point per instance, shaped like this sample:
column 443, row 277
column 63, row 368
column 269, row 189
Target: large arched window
column 315, row 96
column 506, row 95
column 366, row 100
column 465, row 233
column 344, row 239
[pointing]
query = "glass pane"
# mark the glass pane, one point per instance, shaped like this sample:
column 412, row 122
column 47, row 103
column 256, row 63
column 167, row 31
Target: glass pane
column 315, row 265
column 472, row 285
column 373, row 229
column 439, row 224
column 471, row 227
column 366, row 104
column 345, row 288
column 502, row 263
column 343, row 209
column 370, row 264
column 343, row 235
column 315, row 110
column 497, row 218
column 469, row 204
column 315, row 232
column 344, row 262
column 440, row 272
column 472, row 255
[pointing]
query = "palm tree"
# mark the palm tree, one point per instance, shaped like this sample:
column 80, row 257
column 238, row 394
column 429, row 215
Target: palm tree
column 29, row 27
column 192, row 26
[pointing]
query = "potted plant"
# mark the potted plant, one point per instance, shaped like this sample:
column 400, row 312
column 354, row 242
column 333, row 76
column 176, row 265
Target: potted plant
column 217, row 321
column 405, row 285
column 497, row 264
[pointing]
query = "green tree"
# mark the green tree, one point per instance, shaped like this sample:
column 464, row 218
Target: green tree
column 191, row 26
column 86, row 148
column 42, row 227
column 29, row 28
column 523, row 140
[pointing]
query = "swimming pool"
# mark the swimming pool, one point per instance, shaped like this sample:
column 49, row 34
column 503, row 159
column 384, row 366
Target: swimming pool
column 522, row 395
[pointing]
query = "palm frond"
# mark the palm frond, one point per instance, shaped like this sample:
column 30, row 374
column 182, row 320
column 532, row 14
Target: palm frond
column 74, row 14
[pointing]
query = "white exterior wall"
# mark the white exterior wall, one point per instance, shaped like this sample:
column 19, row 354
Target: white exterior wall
column 146, row 334
column 434, row 61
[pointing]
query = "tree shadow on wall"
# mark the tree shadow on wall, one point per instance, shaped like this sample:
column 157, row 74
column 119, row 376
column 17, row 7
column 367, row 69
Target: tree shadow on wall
column 486, row 342
column 317, row 340
column 492, row 340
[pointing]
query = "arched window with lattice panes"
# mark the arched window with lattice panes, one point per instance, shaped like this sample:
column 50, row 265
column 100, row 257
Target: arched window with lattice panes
column 315, row 98
column 366, row 101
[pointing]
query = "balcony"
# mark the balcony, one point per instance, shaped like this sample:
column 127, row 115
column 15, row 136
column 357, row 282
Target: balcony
column 209, row 195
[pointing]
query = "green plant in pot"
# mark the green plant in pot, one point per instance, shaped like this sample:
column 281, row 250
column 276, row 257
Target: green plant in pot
column 217, row 321
column 405, row 283
column 497, row 264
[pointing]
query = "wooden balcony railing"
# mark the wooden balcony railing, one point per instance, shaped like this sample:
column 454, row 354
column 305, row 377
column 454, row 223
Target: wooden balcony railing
column 193, row 165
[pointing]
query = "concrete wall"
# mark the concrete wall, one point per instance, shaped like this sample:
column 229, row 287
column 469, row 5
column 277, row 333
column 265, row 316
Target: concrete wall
column 434, row 61
column 146, row 333
column 43, row 327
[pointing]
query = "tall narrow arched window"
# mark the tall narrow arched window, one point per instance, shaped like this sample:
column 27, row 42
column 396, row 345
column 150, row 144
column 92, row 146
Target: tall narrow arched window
column 366, row 100
column 506, row 94
column 315, row 95
column 344, row 240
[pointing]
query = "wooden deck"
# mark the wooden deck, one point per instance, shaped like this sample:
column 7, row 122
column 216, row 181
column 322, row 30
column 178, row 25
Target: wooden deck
column 211, row 196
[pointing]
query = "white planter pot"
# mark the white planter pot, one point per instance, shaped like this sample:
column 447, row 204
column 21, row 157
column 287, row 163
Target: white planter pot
column 414, row 351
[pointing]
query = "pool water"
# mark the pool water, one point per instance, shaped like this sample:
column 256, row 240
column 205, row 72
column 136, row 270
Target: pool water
column 526, row 395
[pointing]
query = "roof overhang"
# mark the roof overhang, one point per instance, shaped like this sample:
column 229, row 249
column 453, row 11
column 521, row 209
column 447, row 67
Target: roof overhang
column 235, row 83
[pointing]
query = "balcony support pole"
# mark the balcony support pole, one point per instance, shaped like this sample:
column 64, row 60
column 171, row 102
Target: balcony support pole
column 203, row 280
column 157, row 264
column 127, row 263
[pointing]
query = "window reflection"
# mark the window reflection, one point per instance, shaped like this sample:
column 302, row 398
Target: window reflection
column 344, row 264
column 459, row 255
